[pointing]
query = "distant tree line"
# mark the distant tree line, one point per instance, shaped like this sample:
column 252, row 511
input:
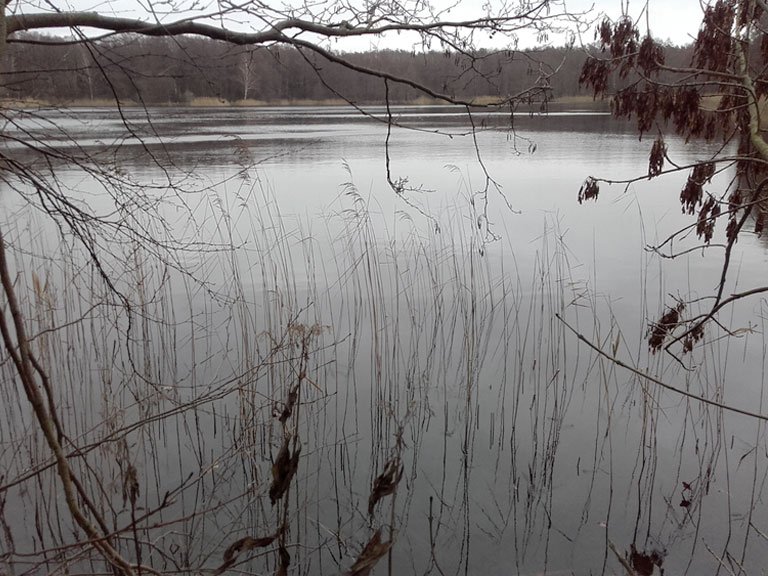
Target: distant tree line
column 179, row 70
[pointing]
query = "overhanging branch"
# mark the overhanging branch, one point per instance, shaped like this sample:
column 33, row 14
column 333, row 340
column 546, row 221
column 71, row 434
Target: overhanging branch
column 275, row 33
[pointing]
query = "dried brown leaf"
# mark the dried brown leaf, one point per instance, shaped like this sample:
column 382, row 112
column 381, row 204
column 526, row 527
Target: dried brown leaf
column 130, row 485
column 705, row 222
column 663, row 327
column 283, row 470
column 692, row 193
column 589, row 190
column 657, row 156
column 243, row 545
column 370, row 556
column 285, row 561
column 385, row 483
column 287, row 410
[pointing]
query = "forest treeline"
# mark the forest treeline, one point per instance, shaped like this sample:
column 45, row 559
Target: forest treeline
column 182, row 70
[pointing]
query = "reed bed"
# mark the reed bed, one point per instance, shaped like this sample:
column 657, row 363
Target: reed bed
column 354, row 393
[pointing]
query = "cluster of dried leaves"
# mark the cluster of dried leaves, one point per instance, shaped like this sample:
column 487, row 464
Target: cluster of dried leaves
column 285, row 466
column 718, row 96
column 385, row 484
column 666, row 324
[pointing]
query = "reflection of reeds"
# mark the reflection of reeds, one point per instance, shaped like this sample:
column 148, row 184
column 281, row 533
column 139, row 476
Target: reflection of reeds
column 333, row 393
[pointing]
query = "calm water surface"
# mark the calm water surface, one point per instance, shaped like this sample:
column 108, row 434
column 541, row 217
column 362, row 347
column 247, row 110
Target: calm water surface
column 420, row 327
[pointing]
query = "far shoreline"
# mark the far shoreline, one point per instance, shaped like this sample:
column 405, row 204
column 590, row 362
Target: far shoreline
column 566, row 102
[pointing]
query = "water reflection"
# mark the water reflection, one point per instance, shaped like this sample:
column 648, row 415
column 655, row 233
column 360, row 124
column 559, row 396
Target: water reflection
column 334, row 377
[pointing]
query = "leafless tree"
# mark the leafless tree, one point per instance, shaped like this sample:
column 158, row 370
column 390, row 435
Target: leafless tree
column 29, row 167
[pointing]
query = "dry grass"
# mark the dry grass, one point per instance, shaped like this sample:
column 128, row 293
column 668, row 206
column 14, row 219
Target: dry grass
column 78, row 103
column 21, row 103
column 585, row 99
column 424, row 101
column 209, row 102
column 99, row 103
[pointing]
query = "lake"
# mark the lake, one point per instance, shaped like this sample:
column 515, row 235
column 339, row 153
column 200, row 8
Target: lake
column 293, row 363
